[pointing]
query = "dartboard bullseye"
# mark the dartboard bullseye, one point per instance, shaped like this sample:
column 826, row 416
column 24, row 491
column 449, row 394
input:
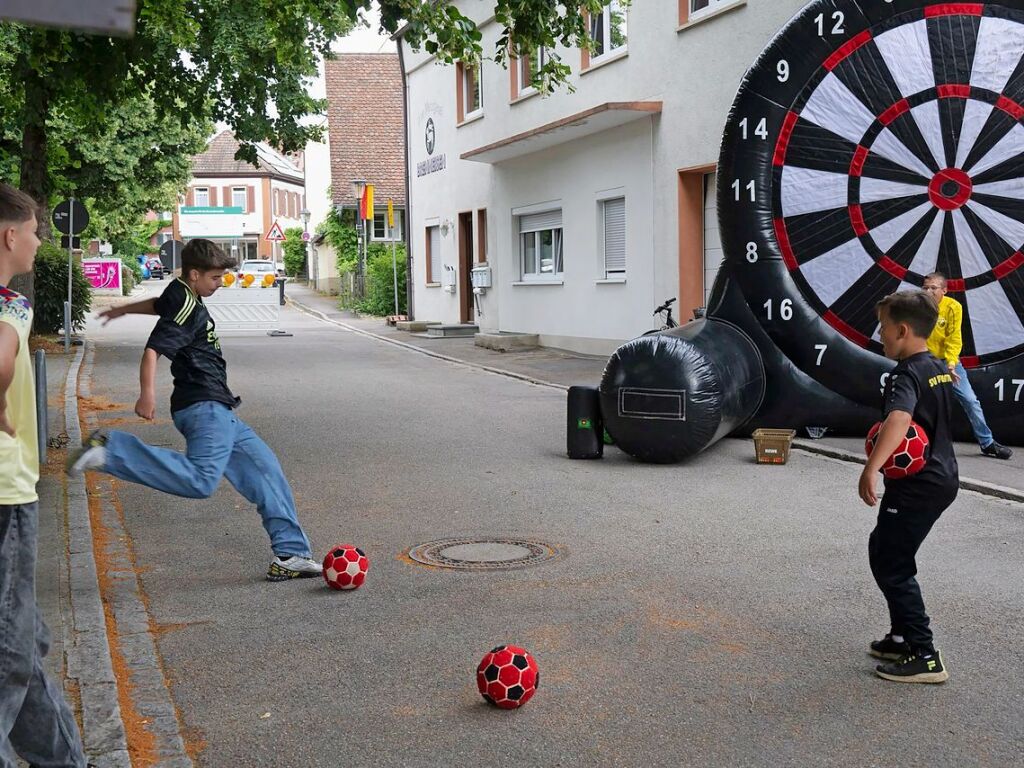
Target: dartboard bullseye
column 891, row 145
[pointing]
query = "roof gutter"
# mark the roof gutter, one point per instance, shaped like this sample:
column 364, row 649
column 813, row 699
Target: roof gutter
column 408, row 183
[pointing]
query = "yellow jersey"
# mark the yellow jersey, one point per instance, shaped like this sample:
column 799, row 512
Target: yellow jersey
column 19, row 455
column 946, row 341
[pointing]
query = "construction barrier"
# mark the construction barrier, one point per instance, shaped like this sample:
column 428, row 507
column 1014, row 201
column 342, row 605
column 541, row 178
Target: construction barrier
column 244, row 305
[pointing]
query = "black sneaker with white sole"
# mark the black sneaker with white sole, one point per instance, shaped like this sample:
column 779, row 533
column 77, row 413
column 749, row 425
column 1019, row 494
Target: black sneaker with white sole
column 915, row 668
column 888, row 649
column 293, row 567
column 997, row 451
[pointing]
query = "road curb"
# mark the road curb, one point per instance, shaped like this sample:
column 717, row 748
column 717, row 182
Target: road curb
column 88, row 656
column 413, row 348
column 150, row 700
column 966, row 483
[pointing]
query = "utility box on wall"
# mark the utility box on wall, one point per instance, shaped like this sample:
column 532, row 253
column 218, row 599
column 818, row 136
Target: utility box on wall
column 481, row 277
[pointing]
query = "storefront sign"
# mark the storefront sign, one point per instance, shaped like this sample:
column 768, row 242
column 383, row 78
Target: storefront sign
column 432, row 164
column 210, row 221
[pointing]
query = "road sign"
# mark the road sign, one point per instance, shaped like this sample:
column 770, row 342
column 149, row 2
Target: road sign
column 276, row 234
column 170, row 254
column 113, row 17
column 62, row 216
column 66, row 241
column 305, row 237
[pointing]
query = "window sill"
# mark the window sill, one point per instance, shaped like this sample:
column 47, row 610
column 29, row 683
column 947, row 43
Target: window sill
column 539, row 282
column 608, row 58
column 711, row 14
column 611, row 281
column 524, row 95
column 478, row 115
column 432, row 285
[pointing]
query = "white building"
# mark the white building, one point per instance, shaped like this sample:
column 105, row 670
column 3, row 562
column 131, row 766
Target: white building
column 589, row 207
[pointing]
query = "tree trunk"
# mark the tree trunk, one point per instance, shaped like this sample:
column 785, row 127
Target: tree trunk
column 35, row 180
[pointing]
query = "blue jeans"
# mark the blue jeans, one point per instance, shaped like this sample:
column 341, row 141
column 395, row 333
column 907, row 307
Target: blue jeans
column 35, row 720
column 969, row 402
column 217, row 444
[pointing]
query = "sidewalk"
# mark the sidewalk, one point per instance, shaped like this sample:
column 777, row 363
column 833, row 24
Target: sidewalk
column 553, row 367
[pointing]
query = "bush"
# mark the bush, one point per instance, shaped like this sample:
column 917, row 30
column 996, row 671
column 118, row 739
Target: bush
column 380, row 282
column 132, row 262
column 294, row 252
column 51, row 279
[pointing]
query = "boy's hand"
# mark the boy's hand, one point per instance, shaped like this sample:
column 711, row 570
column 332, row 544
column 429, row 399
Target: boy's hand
column 866, row 487
column 954, row 374
column 145, row 407
column 114, row 312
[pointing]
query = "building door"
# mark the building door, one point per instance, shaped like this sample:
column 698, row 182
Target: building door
column 466, row 267
column 713, row 252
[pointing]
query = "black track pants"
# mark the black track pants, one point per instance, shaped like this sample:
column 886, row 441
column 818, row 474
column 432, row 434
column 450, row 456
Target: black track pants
column 904, row 520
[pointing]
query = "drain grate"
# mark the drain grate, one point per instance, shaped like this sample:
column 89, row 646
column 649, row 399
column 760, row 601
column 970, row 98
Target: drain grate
column 483, row 554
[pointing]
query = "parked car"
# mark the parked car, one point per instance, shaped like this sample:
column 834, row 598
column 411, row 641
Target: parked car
column 260, row 267
column 155, row 267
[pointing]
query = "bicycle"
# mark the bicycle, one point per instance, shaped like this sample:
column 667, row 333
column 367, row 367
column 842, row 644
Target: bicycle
column 667, row 321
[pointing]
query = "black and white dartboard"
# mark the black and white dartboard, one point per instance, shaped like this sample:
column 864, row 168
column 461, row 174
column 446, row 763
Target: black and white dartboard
column 873, row 142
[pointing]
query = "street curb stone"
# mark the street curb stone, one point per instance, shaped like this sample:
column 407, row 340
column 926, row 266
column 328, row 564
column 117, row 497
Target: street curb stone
column 150, row 698
column 979, row 486
column 88, row 655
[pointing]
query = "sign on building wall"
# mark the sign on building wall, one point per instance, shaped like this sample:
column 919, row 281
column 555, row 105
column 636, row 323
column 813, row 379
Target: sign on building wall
column 210, row 221
column 433, row 163
column 103, row 274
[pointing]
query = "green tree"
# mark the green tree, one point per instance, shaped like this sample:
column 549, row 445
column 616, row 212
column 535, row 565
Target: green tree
column 294, row 251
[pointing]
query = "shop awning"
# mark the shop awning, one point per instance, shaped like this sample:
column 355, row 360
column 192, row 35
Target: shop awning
column 594, row 120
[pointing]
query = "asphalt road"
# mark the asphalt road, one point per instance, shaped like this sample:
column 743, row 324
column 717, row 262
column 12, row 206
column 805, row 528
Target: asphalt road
column 713, row 613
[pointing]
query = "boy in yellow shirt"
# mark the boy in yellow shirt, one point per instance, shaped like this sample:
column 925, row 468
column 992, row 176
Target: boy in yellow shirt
column 945, row 343
column 35, row 720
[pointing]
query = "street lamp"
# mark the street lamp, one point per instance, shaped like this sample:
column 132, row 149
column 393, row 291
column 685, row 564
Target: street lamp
column 358, row 185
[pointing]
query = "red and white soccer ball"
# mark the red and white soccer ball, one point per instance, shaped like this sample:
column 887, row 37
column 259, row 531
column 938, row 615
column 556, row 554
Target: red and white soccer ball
column 508, row 676
column 910, row 455
column 345, row 567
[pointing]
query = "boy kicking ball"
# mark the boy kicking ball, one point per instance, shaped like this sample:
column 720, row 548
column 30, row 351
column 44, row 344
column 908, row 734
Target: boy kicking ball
column 920, row 388
column 218, row 443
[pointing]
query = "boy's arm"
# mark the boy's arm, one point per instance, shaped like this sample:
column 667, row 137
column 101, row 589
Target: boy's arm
column 144, row 307
column 954, row 336
column 8, row 353
column 145, row 406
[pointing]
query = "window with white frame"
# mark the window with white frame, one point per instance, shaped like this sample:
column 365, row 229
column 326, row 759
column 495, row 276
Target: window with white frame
column 240, row 198
column 472, row 90
column 433, row 255
column 608, row 28
column 201, row 197
column 528, row 67
column 380, row 226
column 613, row 227
column 540, row 245
column 701, row 7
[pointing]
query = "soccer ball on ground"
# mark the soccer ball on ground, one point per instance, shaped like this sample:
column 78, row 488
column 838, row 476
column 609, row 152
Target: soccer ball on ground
column 508, row 677
column 345, row 567
column 910, row 455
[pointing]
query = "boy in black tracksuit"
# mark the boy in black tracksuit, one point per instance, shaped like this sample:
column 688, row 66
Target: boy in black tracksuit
column 920, row 388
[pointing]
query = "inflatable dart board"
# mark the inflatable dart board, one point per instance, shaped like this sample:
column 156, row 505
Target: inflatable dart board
column 874, row 142
column 871, row 143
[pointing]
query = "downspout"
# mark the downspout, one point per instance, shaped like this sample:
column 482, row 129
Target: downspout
column 408, row 183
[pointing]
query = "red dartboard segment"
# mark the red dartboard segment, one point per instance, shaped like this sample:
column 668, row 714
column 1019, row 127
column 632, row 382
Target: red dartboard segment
column 784, row 135
column 1010, row 107
column 897, row 109
column 953, row 91
column 846, row 49
column 954, row 9
column 1008, row 266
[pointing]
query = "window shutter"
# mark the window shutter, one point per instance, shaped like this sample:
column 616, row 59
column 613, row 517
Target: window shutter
column 535, row 222
column 615, row 235
column 189, row 197
column 228, row 199
column 435, row 254
column 250, row 199
column 213, row 197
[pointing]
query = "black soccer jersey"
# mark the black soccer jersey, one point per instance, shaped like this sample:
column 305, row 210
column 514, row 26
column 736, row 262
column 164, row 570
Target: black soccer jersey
column 923, row 387
column 185, row 334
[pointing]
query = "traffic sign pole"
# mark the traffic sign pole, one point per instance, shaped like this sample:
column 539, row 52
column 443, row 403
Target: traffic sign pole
column 67, row 306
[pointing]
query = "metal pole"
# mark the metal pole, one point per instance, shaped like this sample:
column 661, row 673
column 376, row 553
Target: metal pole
column 67, row 307
column 42, row 423
column 394, row 266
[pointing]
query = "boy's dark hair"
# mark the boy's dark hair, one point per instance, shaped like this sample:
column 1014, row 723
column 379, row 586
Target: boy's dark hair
column 915, row 308
column 15, row 205
column 205, row 255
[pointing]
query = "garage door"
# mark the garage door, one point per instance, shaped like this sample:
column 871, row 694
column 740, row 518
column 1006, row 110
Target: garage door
column 712, row 239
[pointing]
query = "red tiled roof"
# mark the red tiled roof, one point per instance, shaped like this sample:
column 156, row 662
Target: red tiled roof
column 219, row 160
column 366, row 125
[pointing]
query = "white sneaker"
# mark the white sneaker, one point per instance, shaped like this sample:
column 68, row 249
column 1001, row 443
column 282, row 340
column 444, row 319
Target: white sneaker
column 92, row 455
column 293, row 567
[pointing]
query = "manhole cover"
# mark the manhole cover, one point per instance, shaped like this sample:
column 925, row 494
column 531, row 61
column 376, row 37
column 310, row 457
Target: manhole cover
column 483, row 555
